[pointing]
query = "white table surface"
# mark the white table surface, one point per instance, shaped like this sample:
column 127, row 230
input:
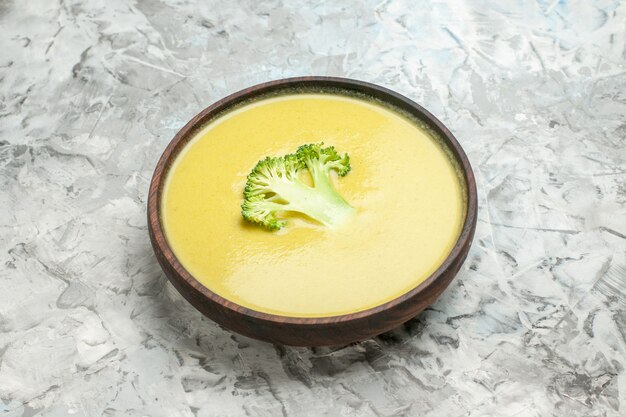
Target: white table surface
column 90, row 94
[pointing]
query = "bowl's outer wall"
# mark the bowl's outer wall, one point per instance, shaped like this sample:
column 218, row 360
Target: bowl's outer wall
column 313, row 334
column 309, row 331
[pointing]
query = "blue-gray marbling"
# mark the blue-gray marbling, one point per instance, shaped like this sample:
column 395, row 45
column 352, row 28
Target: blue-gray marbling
column 90, row 94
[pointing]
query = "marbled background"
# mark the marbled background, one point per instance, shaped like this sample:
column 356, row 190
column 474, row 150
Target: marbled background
column 90, row 94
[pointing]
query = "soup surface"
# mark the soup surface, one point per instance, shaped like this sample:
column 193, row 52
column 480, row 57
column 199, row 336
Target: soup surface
column 408, row 196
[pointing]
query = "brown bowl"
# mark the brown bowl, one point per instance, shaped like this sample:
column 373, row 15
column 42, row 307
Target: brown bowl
column 300, row 331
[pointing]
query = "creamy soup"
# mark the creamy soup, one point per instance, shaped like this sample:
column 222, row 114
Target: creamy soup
column 407, row 192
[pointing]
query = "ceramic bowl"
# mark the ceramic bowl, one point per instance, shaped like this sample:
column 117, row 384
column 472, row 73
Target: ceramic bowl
column 300, row 331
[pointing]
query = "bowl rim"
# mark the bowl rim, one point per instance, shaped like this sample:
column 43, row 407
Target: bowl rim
column 186, row 133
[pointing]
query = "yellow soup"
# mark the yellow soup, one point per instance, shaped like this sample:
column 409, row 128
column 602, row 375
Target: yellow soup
column 407, row 192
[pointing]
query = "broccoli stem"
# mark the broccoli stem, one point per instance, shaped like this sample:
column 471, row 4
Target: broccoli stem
column 320, row 202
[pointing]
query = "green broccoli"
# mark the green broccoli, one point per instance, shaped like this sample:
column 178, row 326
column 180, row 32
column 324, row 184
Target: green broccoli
column 275, row 186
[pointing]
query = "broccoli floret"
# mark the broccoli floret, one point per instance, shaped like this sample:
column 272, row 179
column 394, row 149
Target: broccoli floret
column 274, row 186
